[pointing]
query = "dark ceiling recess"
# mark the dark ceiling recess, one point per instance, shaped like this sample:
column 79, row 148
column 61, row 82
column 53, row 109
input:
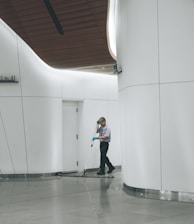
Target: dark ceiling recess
column 84, row 43
column 53, row 16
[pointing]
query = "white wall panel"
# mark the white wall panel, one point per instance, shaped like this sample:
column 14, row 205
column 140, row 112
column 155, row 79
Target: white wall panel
column 80, row 85
column 38, row 79
column 124, row 140
column 98, row 86
column 142, row 133
column 73, row 85
column 112, row 85
column 113, row 120
column 139, row 61
column 12, row 120
column 43, row 118
column 177, row 109
column 176, row 22
column 8, row 56
column 5, row 158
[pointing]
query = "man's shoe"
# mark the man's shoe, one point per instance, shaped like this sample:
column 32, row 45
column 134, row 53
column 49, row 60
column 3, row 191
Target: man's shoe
column 100, row 173
column 111, row 169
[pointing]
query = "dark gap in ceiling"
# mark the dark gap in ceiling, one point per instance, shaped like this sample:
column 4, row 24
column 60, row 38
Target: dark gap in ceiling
column 54, row 16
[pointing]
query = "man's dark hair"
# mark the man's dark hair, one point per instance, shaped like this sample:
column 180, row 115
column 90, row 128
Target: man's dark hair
column 102, row 119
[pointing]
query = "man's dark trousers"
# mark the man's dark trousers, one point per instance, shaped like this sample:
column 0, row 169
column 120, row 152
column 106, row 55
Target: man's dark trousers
column 103, row 158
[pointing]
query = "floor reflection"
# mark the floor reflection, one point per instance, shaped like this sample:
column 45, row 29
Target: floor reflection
column 74, row 200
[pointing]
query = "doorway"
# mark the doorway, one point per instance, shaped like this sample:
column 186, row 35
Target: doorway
column 70, row 136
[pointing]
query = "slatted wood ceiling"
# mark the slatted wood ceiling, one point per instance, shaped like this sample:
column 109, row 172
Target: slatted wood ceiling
column 84, row 42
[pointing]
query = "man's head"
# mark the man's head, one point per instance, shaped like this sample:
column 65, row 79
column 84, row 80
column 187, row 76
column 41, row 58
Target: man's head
column 102, row 121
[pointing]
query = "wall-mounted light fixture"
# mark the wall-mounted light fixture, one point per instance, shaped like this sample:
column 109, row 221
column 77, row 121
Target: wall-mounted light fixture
column 116, row 70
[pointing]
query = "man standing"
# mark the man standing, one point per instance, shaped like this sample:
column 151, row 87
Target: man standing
column 104, row 137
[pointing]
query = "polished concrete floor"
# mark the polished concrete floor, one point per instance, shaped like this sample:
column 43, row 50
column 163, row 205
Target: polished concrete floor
column 67, row 200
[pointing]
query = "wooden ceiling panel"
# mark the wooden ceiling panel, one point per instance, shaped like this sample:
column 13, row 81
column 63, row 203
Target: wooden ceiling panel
column 83, row 22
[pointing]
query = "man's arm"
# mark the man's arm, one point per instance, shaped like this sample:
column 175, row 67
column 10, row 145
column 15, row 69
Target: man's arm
column 102, row 137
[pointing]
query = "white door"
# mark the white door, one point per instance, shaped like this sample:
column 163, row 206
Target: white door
column 70, row 137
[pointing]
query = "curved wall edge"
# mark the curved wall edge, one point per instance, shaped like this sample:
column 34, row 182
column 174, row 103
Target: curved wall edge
column 159, row 194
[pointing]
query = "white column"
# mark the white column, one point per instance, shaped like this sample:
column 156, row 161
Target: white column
column 155, row 49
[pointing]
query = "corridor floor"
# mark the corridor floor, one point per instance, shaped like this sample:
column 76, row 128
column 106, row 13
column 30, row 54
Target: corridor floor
column 67, row 200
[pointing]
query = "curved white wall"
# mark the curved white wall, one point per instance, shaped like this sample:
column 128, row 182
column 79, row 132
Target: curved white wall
column 155, row 48
column 31, row 111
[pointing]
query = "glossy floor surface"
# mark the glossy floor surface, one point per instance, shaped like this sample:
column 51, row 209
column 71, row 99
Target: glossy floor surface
column 71, row 200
